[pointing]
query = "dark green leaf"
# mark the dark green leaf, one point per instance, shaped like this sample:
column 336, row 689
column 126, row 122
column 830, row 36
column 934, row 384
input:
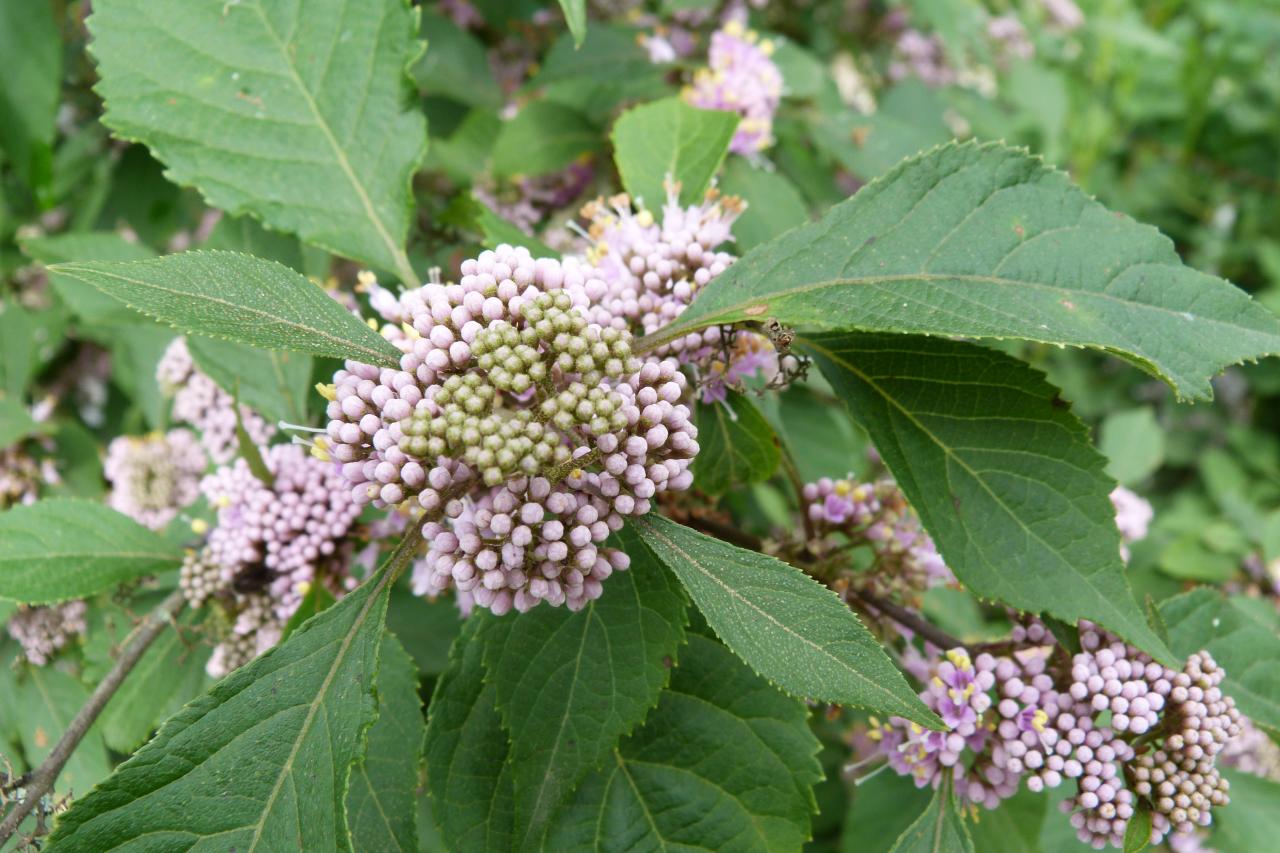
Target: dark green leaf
column 569, row 685
column 260, row 762
column 774, row 204
column 497, row 230
column 1000, row 470
column 1137, row 835
column 455, row 65
column 883, row 806
column 986, row 241
column 62, row 548
column 787, row 627
column 240, row 298
column 738, row 446
column 380, row 807
column 425, row 628
column 317, row 600
column 725, row 762
column 1013, row 826
column 907, row 120
column 298, row 119
column 543, row 137
column 273, row 383
column 938, row 830
column 30, row 84
column 1251, row 821
column 669, row 139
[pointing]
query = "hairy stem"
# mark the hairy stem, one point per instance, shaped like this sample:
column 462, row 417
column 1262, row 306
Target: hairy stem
column 42, row 778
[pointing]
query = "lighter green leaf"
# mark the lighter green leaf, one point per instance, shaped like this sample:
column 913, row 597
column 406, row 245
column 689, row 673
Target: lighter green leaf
column 670, row 139
column 789, row 628
column 296, row 114
column 569, row 685
column 737, row 444
column 47, row 700
column 1246, row 648
column 575, row 15
column 907, row 120
column 1137, row 835
column 380, row 801
column 497, row 231
column 240, row 298
column 987, row 242
column 1133, row 443
column 469, row 777
column 1001, row 472
column 261, row 761
column 30, row 84
column 774, row 205
column 543, row 137
column 938, row 830
column 83, row 299
column 725, row 762
column 273, row 383
column 1014, row 826
column 1251, row 821
column 62, row 548
column 16, row 422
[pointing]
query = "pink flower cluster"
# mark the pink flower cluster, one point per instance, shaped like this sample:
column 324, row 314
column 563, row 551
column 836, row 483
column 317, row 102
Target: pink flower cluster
column 741, row 78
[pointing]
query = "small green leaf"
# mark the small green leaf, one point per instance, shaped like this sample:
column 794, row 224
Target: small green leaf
column 1133, row 443
column 425, row 628
column 907, row 120
column 984, row 241
column 1246, row 648
column 63, row 548
column 774, row 205
column 670, row 139
column 296, row 116
column 469, row 779
column 16, row 422
column 261, row 761
column 1137, row 835
column 543, row 137
column 272, row 382
column 786, row 626
column 240, row 298
column 575, row 15
column 738, row 446
column 938, row 830
column 883, row 806
column 569, row 685
column 999, row 469
column 1013, row 826
column 249, row 451
column 725, row 762
column 380, row 798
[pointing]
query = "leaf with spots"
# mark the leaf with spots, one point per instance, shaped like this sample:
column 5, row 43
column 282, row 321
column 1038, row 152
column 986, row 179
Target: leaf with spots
column 569, row 685
column 786, row 626
column 985, row 241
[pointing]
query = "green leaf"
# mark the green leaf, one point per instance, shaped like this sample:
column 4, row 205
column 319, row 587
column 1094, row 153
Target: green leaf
column 788, row 628
column 16, row 422
column 240, row 298
column 725, row 762
column 30, row 85
column 301, row 120
column 425, row 628
column 497, row 230
column 1133, row 443
column 380, row 800
column 47, row 700
column 999, row 469
column 1137, row 835
column 543, row 137
column 816, row 433
column 317, row 600
column 609, row 69
column 469, row 778
column 273, row 383
column 1013, row 826
column 136, row 351
column 1251, row 821
column 738, row 446
column 938, row 830
column 774, row 205
column 670, row 139
column 63, row 548
column 1247, row 648
column 455, row 65
column 575, row 15
column 245, row 234
column 984, row 241
column 261, row 761
column 84, row 300
column 884, row 806
column 908, row 120
column 569, row 685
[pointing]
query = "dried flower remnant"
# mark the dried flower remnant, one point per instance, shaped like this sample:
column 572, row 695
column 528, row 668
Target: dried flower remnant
column 43, row 631
column 154, row 476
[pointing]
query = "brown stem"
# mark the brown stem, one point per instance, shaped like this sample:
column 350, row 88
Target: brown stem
column 907, row 619
column 43, row 777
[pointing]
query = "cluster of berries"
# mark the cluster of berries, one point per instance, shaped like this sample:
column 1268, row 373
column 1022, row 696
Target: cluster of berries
column 743, row 78
column 1127, row 731
column 154, row 476
column 42, row 631
column 199, row 402
column 510, row 397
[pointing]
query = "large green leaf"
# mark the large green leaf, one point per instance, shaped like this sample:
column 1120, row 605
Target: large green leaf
column 738, row 446
column 939, row 829
column 988, row 242
column 1247, row 647
column 670, row 139
column 725, row 762
column 569, row 685
column 30, row 84
column 62, row 548
column 380, row 808
column 543, row 137
column 237, row 297
column 789, row 628
column 274, row 383
column 260, row 762
column 296, row 114
column 1000, row 470
column 469, row 777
